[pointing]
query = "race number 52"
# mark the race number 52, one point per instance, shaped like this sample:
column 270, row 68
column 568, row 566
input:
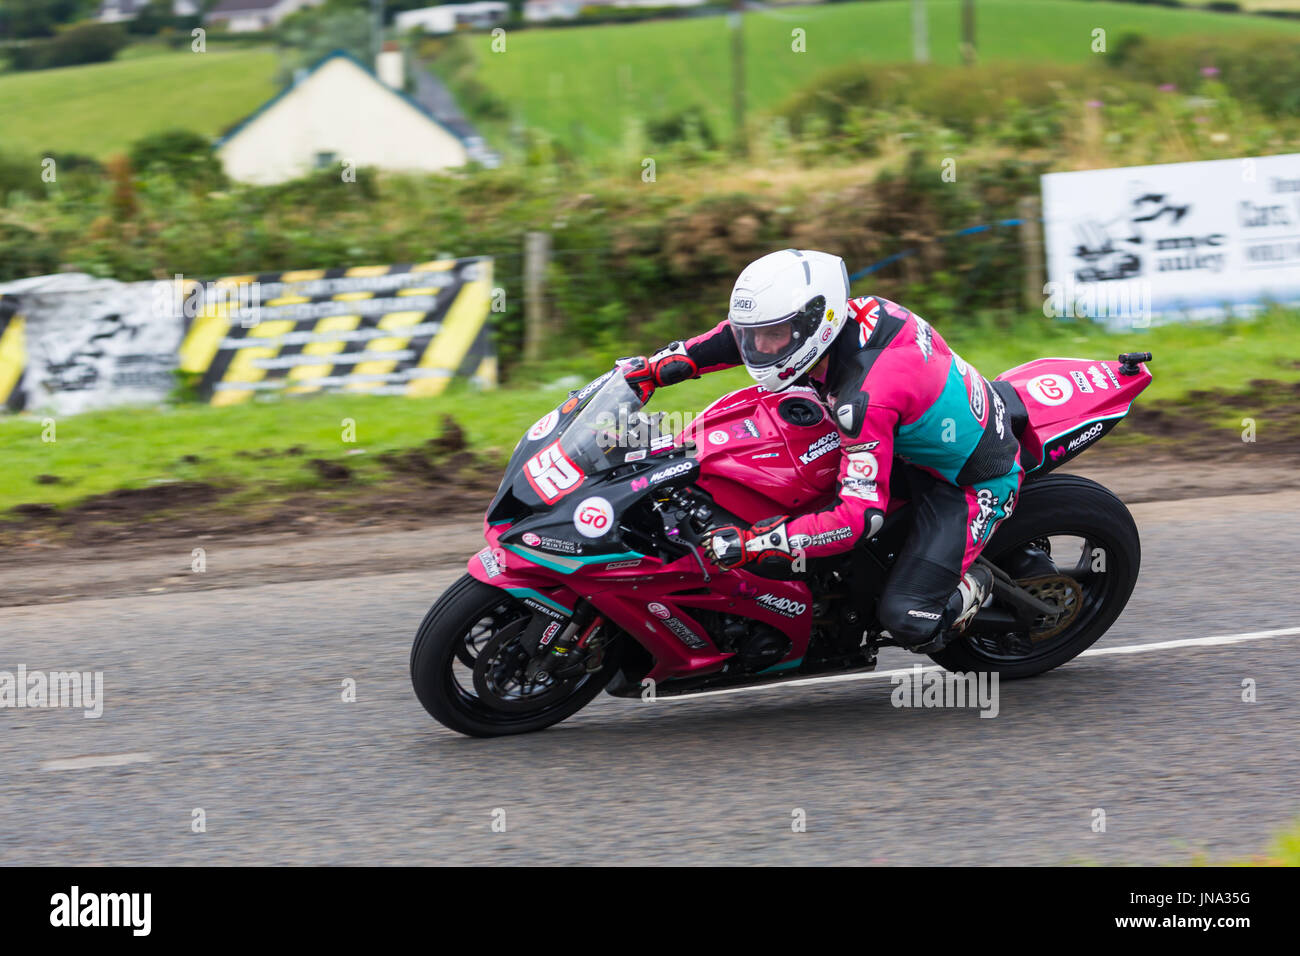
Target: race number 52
column 551, row 474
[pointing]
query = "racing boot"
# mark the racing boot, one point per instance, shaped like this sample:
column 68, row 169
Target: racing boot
column 974, row 587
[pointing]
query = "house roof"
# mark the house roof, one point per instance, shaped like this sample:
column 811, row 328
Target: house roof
column 334, row 55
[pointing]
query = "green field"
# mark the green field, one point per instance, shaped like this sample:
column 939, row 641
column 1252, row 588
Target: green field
column 1253, row 4
column 588, row 81
column 101, row 109
column 242, row 447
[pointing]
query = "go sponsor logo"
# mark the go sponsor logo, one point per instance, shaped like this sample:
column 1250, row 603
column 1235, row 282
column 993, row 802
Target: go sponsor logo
column 545, row 425
column 863, row 464
column 593, row 517
column 1050, row 389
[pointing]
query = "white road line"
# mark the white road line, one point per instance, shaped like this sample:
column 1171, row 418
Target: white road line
column 102, row 760
column 1192, row 642
column 1215, row 641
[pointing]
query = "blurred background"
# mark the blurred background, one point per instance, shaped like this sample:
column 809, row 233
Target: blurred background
column 579, row 181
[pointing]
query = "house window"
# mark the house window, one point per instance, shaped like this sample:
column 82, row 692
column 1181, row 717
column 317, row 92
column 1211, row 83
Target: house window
column 325, row 160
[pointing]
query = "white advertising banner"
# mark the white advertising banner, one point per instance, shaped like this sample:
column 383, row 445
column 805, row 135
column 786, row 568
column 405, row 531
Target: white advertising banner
column 1180, row 240
column 88, row 343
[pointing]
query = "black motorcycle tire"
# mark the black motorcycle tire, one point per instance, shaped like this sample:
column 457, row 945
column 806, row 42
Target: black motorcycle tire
column 437, row 641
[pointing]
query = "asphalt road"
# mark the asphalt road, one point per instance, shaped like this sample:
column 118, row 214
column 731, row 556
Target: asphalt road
column 230, row 700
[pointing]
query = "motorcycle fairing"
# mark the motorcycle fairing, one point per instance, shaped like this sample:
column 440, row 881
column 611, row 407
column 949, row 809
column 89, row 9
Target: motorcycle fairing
column 678, row 643
column 1071, row 403
column 750, row 445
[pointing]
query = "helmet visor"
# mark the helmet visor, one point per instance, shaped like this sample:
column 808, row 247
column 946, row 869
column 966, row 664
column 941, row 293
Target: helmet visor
column 769, row 343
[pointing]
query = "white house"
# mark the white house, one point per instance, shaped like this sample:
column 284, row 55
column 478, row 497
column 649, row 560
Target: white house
column 337, row 113
column 451, row 17
column 116, row 11
column 539, row 11
column 652, row 3
column 248, row 16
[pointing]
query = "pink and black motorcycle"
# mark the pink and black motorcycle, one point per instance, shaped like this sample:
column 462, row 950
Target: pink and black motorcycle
column 594, row 578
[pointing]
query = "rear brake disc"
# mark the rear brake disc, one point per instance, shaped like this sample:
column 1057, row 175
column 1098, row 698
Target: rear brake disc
column 1063, row 593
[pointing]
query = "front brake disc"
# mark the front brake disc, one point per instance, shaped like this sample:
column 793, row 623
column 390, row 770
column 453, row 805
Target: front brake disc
column 501, row 679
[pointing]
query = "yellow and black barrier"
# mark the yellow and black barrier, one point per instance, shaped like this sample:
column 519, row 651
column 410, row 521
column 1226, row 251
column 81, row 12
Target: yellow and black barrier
column 13, row 353
column 399, row 329
column 71, row 342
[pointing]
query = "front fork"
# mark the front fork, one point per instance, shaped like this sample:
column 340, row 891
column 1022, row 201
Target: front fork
column 565, row 649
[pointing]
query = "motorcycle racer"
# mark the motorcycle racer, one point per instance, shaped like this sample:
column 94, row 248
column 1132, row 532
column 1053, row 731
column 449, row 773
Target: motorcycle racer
column 893, row 387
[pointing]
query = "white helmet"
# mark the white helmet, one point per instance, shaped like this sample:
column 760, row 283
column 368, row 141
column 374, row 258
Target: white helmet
column 786, row 309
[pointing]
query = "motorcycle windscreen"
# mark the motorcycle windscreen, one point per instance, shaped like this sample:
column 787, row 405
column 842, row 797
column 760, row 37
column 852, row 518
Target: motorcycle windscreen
column 601, row 436
column 605, row 428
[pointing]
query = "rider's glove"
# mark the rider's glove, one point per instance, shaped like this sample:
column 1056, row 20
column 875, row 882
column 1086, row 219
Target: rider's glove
column 763, row 542
column 639, row 376
column 668, row 366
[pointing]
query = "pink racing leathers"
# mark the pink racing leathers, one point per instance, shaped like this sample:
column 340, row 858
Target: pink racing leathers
column 895, row 388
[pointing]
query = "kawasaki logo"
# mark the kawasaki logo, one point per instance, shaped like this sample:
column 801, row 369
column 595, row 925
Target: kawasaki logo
column 827, row 443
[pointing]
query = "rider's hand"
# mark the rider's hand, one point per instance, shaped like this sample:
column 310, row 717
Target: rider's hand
column 764, row 541
column 639, row 376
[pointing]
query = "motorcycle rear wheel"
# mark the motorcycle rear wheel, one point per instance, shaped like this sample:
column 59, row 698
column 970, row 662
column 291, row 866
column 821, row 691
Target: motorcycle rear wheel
column 1071, row 507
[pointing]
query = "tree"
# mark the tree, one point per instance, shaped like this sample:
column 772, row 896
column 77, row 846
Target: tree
column 314, row 32
column 155, row 15
column 25, row 19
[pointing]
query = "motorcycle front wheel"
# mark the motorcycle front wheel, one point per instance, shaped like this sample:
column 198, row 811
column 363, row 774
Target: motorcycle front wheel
column 468, row 668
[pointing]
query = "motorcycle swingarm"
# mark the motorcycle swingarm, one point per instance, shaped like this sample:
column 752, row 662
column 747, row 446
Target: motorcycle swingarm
column 1027, row 608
